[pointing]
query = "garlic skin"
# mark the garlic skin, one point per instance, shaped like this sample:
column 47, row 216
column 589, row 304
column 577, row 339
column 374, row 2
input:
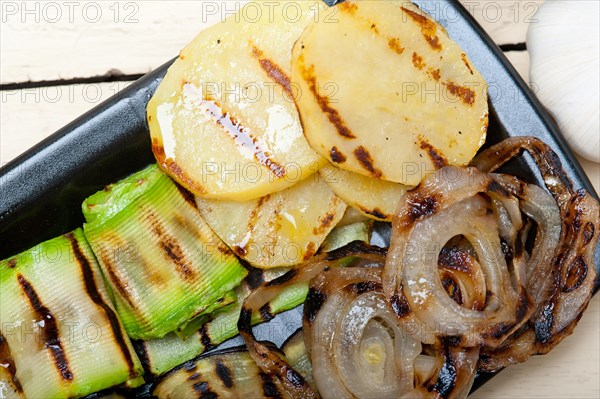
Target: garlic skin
column 564, row 47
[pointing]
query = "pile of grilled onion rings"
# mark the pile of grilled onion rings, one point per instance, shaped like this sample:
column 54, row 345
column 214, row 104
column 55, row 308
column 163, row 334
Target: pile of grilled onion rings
column 483, row 270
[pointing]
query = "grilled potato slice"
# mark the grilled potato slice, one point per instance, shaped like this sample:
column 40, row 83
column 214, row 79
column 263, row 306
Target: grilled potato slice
column 386, row 92
column 223, row 121
column 374, row 198
column 280, row 229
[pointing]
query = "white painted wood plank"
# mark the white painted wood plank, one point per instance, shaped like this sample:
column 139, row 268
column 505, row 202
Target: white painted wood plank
column 50, row 40
column 28, row 116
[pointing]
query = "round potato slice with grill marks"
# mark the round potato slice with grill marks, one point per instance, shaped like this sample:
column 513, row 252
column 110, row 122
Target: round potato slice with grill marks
column 223, row 121
column 387, row 94
column 376, row 199
column 280, row 229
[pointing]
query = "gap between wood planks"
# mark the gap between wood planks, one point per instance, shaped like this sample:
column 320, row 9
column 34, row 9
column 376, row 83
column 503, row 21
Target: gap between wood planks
column 115, row 75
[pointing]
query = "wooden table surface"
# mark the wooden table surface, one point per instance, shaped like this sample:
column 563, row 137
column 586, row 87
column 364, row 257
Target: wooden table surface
column 74, row 51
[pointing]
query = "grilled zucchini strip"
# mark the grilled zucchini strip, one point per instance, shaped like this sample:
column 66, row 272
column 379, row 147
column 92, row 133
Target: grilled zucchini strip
column 161, row 355
column 227, row 374
column 163, row 263
column 61, row 336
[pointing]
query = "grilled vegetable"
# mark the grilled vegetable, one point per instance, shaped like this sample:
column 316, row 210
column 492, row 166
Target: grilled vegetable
column 227, row 374
column 281, row 229
column 161, row 355
column 60, row 334
column 297, row 356
column 376, row 199
column 342, row 235
column 163, row 263
column 223, row 121
column 423, row 106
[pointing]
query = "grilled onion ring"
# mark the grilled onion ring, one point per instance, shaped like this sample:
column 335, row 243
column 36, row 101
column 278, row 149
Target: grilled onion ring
column 562, row 279
column 358, row 347
column 445, row 205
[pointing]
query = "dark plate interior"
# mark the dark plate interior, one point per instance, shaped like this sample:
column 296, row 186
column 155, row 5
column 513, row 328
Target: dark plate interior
column 42, row 190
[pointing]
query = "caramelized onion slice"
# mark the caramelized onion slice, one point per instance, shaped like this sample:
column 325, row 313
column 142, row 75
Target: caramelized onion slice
column 561, row 280
column 360, row 349
column 446, row 205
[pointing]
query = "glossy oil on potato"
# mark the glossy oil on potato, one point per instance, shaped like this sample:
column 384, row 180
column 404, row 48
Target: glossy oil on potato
column 391, row 95
column 223, row 121
column 376, row 199
column 280, row 229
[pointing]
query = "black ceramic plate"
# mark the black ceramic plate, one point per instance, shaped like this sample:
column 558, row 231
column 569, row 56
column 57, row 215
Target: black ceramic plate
column 42, row 190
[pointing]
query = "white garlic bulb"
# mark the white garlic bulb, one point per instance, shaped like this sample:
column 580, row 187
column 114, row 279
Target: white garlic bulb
column 564, row 45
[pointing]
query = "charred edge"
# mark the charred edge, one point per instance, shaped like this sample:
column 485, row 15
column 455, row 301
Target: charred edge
column 175, row 253
column 268, row 386
column 50, row 332
column 193, row 377
column 202, row 388
column 224, row 374
column 365, row 159
column 140, row 349
column 255, row 211
column 114, row 278
column 435, row 74
column 428, row 29
column 439, row 161
column 255, row 277
column 523, row 306
column 394, row 44
column 314, row 301
column 452, row 340
column 454, row 258
column 273, row 71
column 332, row 114
column 588, row 233
column 94, row 294
column 205, row 338
column 8, row 363
column 180, row 175
column 336, row 156
column 497, row 188
column 423, row 208
column 543, row 323
column 400, row 305
column 499, row 330
column 187, row 196
column 190, row 366
column 311, row 249
column 324, row 223
column 363, row 287
column 350, row 8
column 240, row 251
column 463, row 57
column 376, row 212
column 265, row 312
column 464, row 93
column 354, row 248
column 245, row 321
column 12, row 263
column 507, row 251
column 447, row 376
column 417, row 61
column 295, row 378
column 576, row 273
column 453, row 290
column 283, row 279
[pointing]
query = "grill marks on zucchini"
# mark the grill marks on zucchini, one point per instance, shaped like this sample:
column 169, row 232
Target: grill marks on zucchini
column 229, row 373
column 49, row 329
column 171, row 248
column 92, row 291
